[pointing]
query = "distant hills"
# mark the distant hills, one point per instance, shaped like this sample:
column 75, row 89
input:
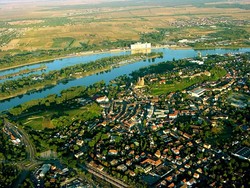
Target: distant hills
column 80, row 4
column 57, row 1
column 121, row 2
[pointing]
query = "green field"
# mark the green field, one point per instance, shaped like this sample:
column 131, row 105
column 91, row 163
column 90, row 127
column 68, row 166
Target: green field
column 160, row 89
column 53, row 118
column 39, row 121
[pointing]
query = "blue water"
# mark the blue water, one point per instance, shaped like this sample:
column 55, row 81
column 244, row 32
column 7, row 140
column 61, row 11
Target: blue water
column 59, row 64
column 169, row 54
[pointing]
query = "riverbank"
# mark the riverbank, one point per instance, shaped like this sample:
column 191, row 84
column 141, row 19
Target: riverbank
column 22, row 72
column 88, row 53
column 106, row 76
column 64, row 57
column 75, row 74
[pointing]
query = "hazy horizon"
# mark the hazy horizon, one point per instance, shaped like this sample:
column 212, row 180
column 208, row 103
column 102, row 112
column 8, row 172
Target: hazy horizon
column 116, row 2
column 59, row 1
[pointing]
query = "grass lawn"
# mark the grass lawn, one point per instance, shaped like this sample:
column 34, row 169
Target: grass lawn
column 44, row 119
column 38, row 122
column 158, row 89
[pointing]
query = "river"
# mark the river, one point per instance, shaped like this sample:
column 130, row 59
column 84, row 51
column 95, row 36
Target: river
column 59, row 64
column 169, row 54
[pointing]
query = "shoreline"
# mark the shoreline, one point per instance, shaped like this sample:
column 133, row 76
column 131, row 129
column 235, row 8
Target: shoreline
column 22, row 72
column 81, row 54
column 64, row 57
column 55, row 82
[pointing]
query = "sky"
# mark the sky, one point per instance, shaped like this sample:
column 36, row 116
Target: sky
column 62, row 1
column 74, row 2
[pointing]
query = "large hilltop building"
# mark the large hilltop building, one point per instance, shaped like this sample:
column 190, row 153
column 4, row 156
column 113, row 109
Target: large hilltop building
column 140, row 83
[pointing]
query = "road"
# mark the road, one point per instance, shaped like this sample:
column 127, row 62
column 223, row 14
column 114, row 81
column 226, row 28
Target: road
column 30, row 161
column 104, row 176
column 31, row 150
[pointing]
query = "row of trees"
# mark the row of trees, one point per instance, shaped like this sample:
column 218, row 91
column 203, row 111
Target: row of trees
column 106, row 44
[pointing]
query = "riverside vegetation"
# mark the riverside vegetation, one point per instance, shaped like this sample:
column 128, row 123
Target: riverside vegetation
column 12, row 88
column 75, row 115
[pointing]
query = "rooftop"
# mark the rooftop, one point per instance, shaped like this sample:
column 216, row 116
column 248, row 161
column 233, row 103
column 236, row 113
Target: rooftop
column 243, row 152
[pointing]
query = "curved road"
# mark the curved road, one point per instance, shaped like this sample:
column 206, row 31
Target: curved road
column 30, row 161
column 30, row 148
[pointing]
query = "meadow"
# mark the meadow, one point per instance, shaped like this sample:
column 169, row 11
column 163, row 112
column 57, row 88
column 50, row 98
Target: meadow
column 51, row 118
column 160, row 89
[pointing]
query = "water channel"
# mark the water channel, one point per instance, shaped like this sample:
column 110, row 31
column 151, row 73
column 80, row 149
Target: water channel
column 169, row 54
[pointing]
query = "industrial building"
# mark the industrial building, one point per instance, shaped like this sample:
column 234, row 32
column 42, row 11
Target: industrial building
column 140, row 46
column 243, row 153
column 197, row 92
column 44, row 169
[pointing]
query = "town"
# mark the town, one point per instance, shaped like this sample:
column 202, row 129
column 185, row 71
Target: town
column 124, row 93
column 182, row 123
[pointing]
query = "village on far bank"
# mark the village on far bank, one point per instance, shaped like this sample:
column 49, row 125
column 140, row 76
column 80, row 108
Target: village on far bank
column 183, row 123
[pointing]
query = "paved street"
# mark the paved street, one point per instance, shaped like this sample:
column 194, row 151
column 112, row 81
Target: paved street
column 105, row 176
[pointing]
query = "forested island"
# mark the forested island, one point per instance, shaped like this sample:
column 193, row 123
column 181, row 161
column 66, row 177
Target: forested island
column 12, row 88
column 23, row 72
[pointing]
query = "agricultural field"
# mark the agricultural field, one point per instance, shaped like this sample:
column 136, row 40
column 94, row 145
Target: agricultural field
column 60, row 27
column 51, row 30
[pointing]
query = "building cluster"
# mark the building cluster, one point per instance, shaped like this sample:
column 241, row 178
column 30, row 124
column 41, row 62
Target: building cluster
column 207, row 22
column 178, row 154
column 50, row 174
column 242, row 153
column 14, row 135
column 161, row 141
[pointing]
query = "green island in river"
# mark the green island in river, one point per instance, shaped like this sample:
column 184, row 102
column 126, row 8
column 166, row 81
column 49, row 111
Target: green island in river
column 13, row 88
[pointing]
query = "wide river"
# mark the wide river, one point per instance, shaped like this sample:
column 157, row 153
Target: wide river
column 169, row 54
